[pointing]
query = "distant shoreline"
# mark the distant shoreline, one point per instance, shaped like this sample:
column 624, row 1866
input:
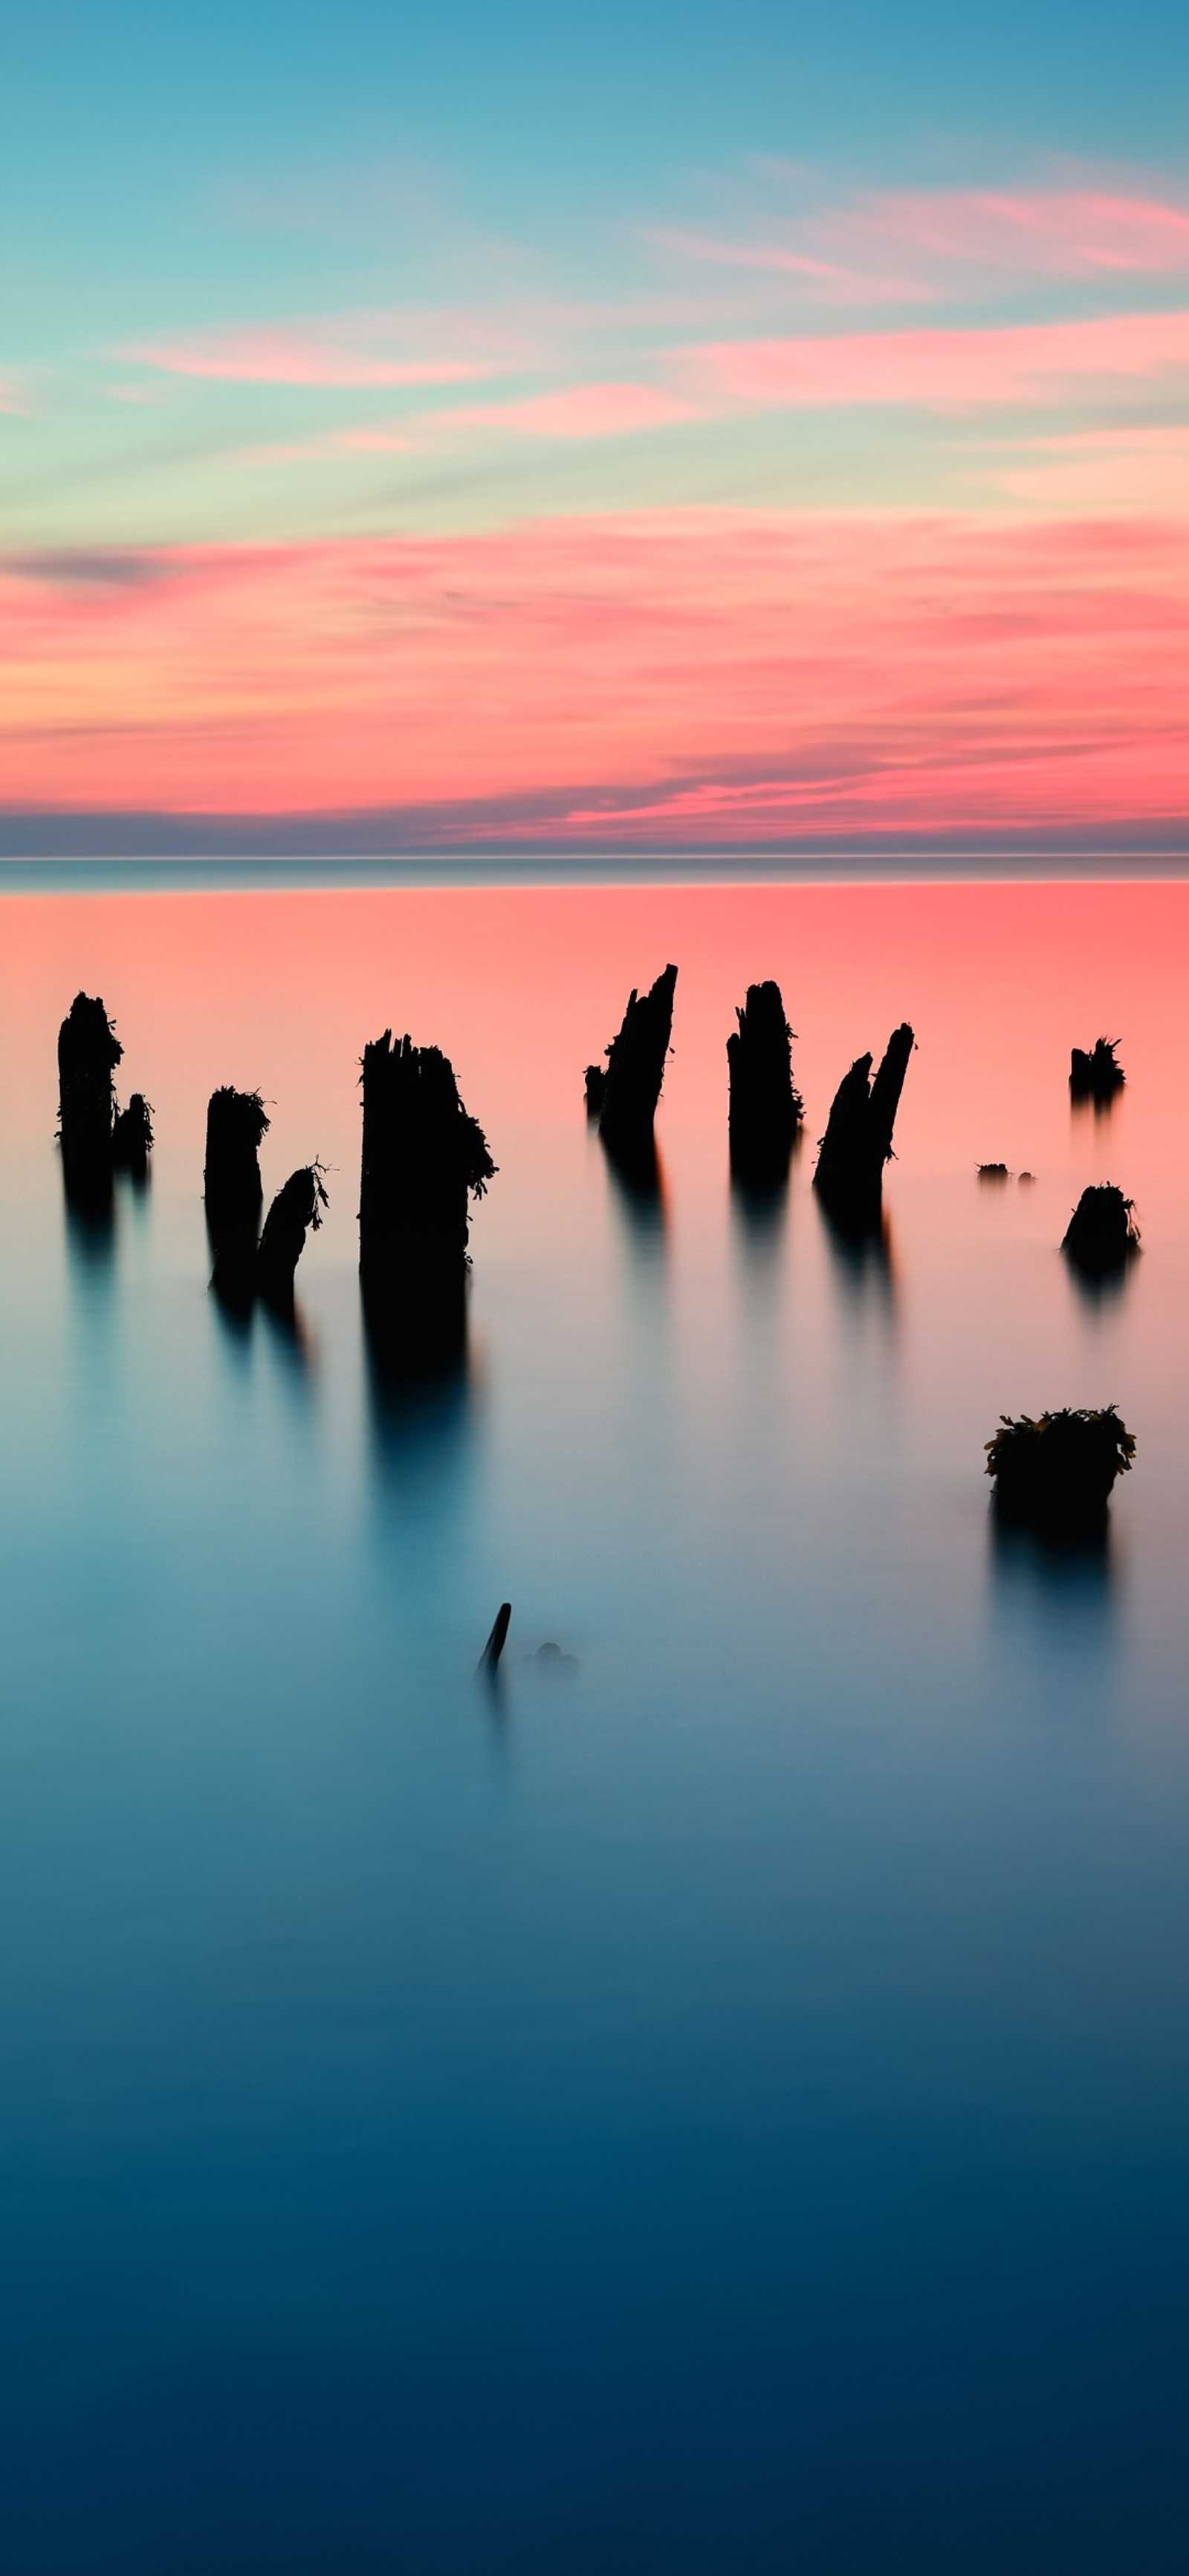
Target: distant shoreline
column 24, row 875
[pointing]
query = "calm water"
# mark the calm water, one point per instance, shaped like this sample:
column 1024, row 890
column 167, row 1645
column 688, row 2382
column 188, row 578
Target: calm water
column 722, row 2105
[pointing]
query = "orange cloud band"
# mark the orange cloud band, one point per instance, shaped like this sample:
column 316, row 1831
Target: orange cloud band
column 677, row 675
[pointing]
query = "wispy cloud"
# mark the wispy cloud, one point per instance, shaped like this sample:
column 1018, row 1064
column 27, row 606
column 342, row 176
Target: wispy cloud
column 331, row 355
column 680, row 675
column 576, row 411
column 929, row 245
column 949, row 370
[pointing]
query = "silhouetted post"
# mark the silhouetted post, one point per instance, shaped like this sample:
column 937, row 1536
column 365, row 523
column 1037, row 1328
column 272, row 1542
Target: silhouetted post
column 1095, row 1075
column 1102, row 1233
column 1056, row 1474
column 858, row 1138
column 234, row 1191
column 88, row 1053
column 295, row 1209
column 489, row 1659
column 636, row 1070
column 424, row 1158
column 764, row 1108
column 132, row 1137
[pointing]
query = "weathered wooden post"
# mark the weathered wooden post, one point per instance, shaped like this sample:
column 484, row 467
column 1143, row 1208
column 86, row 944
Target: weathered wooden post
column 88, row 1053
column 635, row 1072
column 858, row 1138
column 1102, row 1233
column 1094, row 1074
column 132, row 1137
column 424, row 1159
column 295, row 1211
column 765, row 1110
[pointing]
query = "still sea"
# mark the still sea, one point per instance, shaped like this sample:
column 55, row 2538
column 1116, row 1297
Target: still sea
column 716, row 2104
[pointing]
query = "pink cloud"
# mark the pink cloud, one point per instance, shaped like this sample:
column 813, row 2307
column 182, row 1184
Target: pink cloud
column 927, row 244
column 577, row 411
column 682, row 673
column 268, row 355
column 1070, row 232
column 1095, row 469
column 1023, row 363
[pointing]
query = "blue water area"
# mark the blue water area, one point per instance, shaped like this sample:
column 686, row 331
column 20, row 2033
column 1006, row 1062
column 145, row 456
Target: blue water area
column 716, row 2101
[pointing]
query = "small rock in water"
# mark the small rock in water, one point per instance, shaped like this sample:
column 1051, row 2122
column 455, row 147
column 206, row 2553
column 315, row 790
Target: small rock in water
column 992, row 1171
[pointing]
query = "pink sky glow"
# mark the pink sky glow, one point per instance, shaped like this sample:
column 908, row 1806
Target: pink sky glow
column 676, row 675
column 1025, row 363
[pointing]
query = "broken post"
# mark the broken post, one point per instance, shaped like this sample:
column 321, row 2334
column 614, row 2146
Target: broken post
column 132, row 1137
column 858, row 1138
column 88, row 1053
column 1094, row 1074
column 1102, row 1233
column 231, row 1183
column 233, row 1191
column 636, row 1070
column 489, row 1659
column 424, row 1159
column 1056, row 1474
column 765, row 1111
column 295, row 1210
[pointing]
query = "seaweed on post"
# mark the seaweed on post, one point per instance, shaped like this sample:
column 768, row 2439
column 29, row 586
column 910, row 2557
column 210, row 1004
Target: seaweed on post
column 1102, row 1233
column 88, row 1053
column 1055, row 1475
column 424, row 1159
column 1094, row 1073
column 858, row 1138
column 295, row 1211
column 636, row 1070
column 765, row 1110
column 132, row 1137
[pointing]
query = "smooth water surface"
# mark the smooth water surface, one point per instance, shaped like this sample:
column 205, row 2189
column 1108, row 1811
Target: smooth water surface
column 720, row 2102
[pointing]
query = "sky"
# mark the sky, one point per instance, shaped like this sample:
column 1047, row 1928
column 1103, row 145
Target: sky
column 654, row 428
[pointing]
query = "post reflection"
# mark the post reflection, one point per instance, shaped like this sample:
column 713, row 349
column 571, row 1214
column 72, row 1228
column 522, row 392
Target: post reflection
column 862, row 1263
column 640, row 1197
column 421, row 1422
column 1070, row 1589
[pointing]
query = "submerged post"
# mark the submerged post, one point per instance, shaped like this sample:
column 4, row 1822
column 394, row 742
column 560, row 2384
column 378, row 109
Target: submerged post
column 858, row 1138
column 1102, row 1233
column 765, row 1110
column 295, row 1211
column 1094, row 1073
column 88, row 1053
column 233, row 1190
column 424, row 1159
column 132, row 1136
column 1054, row 1474
column 636, row 1070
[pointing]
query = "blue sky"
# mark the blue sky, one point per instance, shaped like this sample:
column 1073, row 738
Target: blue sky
column 305, row 276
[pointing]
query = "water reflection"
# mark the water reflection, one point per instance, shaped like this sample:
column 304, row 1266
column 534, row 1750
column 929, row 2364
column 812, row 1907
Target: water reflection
column 287, row 1336
column 759, row 1219
column 862, row 1262
column 639, row 1194
column 1070, row 1588
column 421, row 1425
